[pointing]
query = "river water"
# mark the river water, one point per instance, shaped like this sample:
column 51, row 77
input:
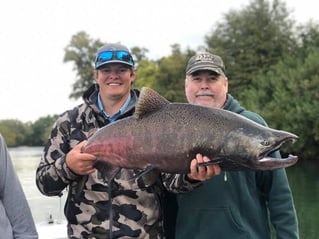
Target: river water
column 303, row 178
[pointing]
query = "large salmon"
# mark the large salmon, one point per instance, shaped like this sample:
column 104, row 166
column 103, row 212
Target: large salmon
column 166, row 136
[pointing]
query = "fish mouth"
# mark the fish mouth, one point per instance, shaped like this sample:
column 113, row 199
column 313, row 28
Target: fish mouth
column 269, row 163
column 261, row 161
column 265, row 162
column 290, row 159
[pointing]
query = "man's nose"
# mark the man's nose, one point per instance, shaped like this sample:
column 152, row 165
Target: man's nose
column 204, row 84
column 114, row 72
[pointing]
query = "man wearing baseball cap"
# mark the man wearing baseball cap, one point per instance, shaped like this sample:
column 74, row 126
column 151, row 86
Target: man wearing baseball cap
column 241, row 204
column 133, row 210
column 205, row 61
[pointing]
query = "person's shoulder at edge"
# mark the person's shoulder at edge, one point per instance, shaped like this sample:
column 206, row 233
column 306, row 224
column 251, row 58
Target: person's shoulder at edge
column 254, row 117
column 233, row 105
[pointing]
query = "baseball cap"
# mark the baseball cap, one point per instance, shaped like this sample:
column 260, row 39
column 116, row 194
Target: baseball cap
column 205, row 61
column 113, row 53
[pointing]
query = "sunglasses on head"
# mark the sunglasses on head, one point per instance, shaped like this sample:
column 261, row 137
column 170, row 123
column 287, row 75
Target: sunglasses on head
column 106, row 56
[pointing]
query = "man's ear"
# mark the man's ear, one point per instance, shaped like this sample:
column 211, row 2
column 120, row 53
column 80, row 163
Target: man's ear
column 95, row 74
column 133, row 75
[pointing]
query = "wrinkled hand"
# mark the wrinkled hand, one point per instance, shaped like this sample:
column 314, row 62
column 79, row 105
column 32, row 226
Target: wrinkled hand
column 202, row 173
column 80, row 163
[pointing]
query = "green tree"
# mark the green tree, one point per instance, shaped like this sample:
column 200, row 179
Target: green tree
column 41, row 129
column 288, row 97
column 250, row 40
column 307, row 36
column 171, row 74
column 146, row 74
column 139, row 54
column 14, row 131
column 81, row 51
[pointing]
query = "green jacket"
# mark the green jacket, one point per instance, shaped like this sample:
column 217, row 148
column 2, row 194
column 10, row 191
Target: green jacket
column 235, row 204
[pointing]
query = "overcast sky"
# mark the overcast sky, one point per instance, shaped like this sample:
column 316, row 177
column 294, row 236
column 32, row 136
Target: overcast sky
column 34, row 81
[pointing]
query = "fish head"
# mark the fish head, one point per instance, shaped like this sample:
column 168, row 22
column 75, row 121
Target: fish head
column 249, row 148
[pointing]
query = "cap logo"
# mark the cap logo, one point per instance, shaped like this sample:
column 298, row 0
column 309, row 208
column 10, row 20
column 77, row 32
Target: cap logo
column 205, row 57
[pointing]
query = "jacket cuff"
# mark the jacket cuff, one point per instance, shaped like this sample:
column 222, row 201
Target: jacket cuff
column 66, row 171
column 190, row 183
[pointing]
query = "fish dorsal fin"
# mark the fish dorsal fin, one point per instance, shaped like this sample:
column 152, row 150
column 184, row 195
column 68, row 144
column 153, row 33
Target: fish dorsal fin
column 148, row 102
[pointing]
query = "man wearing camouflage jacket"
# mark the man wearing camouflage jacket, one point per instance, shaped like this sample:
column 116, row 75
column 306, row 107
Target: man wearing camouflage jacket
column 134, row 206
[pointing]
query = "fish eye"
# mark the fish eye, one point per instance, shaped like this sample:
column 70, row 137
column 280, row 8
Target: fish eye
column 265, row 143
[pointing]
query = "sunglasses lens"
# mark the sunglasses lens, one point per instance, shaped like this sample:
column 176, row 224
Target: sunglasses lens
column 105, row 56
column 118, row 55
column 124, row 56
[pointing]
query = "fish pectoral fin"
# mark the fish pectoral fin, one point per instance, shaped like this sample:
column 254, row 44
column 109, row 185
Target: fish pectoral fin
column 106, row 170
column 110, row 174
column 143, row 172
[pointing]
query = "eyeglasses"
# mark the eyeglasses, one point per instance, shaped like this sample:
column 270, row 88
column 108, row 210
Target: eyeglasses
column 120, row 56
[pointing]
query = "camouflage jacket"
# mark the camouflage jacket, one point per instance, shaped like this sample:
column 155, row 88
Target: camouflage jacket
column 136, row 205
